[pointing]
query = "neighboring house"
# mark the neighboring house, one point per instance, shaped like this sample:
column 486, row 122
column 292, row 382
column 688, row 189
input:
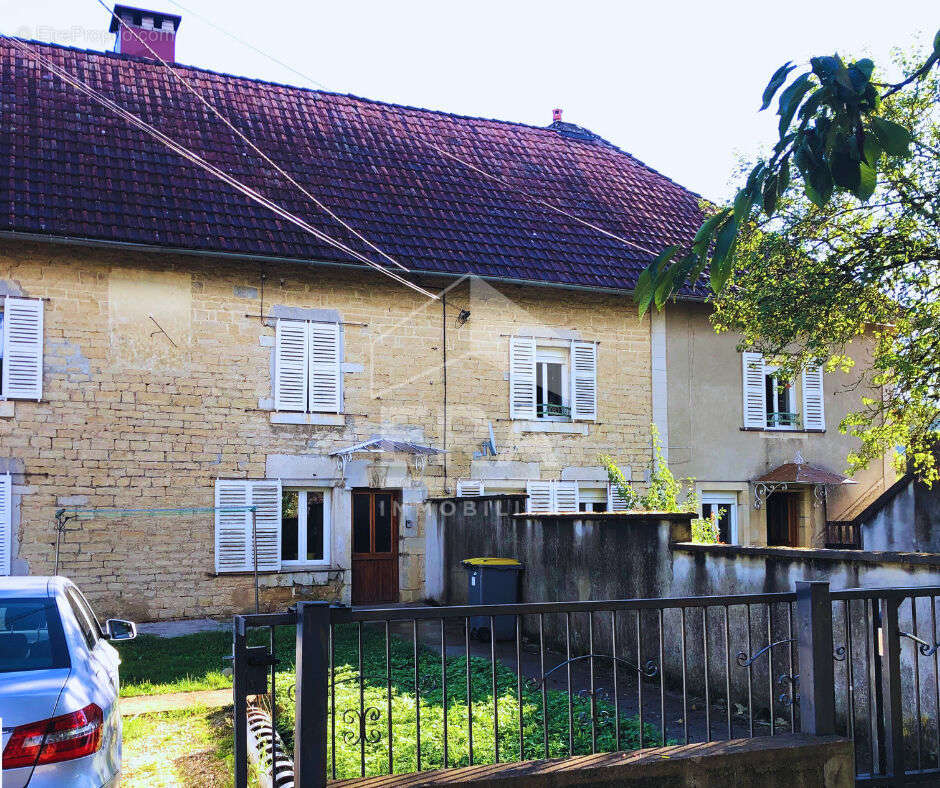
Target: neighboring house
column 766, row 454
column 167, row 343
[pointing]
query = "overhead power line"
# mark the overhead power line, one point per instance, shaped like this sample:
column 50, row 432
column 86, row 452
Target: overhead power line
column 194, row 158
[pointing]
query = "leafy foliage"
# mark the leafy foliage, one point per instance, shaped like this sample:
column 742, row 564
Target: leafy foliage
column 829, row 252
column 856, row 286
column 664, row 493
column 835, row 130
column 705, row 530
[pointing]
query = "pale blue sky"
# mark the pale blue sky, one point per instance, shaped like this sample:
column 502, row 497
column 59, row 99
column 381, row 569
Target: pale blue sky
column 675, row 83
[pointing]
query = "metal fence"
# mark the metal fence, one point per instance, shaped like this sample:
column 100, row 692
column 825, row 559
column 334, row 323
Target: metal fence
column 377, row 691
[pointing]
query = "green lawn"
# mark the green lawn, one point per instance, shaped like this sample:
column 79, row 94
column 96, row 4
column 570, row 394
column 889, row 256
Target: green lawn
column 153, row 665
column 404, row 711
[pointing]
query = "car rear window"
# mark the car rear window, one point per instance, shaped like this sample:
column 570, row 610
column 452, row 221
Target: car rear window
column 31, row 636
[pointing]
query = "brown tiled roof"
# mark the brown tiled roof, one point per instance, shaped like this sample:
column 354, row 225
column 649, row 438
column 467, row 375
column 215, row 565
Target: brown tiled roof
column 69, row 168
column 803, row 473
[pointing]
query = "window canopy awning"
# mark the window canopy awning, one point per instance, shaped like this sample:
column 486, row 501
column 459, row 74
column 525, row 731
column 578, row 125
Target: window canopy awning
column 381, row 445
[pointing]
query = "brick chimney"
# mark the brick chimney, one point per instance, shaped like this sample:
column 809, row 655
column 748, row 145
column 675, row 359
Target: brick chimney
column 556, row 116
column 156, row 28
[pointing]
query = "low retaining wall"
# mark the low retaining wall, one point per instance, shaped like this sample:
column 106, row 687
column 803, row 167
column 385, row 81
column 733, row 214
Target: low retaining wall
column 777, row 762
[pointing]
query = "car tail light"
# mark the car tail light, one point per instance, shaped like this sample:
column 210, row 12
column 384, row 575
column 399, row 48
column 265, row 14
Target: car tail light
column 57, row 739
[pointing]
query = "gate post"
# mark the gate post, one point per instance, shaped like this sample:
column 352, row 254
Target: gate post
column 817, row 674
column 311, row 694
column 240, row 693
column 891, row 678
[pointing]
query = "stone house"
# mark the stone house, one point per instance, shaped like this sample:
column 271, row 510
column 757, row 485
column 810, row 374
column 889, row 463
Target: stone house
column 196, row 388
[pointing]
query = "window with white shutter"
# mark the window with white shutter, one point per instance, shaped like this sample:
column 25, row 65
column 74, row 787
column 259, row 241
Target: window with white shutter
column 615, row 500
column 6, row 522
column 552, row 496
column 234, row 540
column 308, row 367
column 566, row 496
column 552, row 379
column 290, row 364
column 467, row 488
column 814, row 416
column 770, row 401
column 540, row 496
column 755, row 403
column 521, row 378
column 21, row 348
column 584, row 381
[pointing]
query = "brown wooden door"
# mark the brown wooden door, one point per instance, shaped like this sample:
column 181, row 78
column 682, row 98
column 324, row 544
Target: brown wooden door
column 783, row 518
column 375, row 546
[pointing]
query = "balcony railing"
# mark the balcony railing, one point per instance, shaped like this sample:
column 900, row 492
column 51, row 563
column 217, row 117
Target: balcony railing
column 546, row 410
column 783, row 418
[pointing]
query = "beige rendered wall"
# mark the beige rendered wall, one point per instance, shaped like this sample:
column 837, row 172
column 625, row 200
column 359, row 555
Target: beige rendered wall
column 707, row 442
column 156, row 381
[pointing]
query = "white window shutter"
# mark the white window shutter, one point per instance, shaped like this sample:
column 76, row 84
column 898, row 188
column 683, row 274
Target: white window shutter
column 6, row 522
column 232, row 527
column 22, row 348
column 326, row 376
column 566, row 496
column 615, row 501
column 584, row 381
column 521, row 378
column 540, row 496
column 814, row 416
column 755, row 396
column 265, row 494
column 290, row 365
column 469, row 488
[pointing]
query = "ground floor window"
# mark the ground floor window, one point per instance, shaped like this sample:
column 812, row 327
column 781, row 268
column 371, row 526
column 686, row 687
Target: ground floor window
column 723, row 507
column 305, row 526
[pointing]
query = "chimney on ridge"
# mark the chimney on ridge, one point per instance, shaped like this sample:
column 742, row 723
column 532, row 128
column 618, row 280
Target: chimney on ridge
column 556, row 116
column 156, row 29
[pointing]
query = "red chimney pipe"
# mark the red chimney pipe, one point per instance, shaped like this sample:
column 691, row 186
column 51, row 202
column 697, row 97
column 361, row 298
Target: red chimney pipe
column 556, row 115
column 154, row 29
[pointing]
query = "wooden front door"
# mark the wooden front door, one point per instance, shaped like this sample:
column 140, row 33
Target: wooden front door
column 783, row 519
column 375, row 546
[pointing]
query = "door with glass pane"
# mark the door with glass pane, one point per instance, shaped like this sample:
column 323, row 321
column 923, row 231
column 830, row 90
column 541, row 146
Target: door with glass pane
column 375, row 546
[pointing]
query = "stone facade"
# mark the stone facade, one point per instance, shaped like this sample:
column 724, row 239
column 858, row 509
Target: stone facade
column 158, row 380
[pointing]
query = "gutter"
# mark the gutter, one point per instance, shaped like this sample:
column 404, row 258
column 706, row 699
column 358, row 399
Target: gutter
column 138, row 247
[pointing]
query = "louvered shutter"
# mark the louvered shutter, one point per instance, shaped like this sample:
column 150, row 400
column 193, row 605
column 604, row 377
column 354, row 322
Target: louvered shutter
column 290, row 365
column 22, row 348
column 325, row 368
column 521, row 378
column 266, row 495
column 615, row 501
column 6, row 522
column 540, row 496
column 814, row 417
column 468, row 488
column 232, row 528
column 566, row 496
column 584, row 381
column 755, row 396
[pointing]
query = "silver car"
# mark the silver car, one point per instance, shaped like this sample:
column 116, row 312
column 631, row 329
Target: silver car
column 58, row 686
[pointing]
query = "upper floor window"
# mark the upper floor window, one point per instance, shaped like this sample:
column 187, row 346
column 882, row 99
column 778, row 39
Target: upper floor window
column 772, row 402
column 308, row 367
column 552, row 380
column 21, row 348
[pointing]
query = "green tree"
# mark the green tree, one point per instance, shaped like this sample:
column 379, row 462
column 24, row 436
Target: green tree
column 835, row 236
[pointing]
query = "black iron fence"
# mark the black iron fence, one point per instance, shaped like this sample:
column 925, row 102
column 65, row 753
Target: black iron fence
column 372, row 691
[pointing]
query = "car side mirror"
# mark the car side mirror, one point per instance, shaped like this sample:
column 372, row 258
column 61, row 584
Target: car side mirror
column 118, row 629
